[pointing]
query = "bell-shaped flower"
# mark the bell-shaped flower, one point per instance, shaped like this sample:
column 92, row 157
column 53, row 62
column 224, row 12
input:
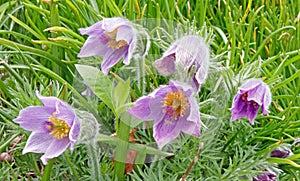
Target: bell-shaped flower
column 266, row 176
column 280, row 153
column 250, row 97
column 54, row 127
column 188, row 59
column 173, row 109
column 112, row 38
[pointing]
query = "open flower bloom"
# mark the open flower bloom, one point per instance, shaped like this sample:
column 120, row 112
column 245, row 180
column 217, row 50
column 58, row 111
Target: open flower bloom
column 112, row 38
column 173, row 109
column 188, row 57
column 250, row 97
column 54, row 127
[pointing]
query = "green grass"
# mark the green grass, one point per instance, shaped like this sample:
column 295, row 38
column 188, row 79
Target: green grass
column 39, row 44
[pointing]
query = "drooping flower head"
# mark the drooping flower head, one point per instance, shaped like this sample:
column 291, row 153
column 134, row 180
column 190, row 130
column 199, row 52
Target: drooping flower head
column 54, row 127
column 250, row 97
column 112, row 38
column 173, row 109
column 188, row 57
column 280, row 153
column 266, row 176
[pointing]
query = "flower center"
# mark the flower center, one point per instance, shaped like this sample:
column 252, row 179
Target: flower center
column 244, row 96
column 58, row 127
column 253, row 103
column 175, row 104
column 112, row 43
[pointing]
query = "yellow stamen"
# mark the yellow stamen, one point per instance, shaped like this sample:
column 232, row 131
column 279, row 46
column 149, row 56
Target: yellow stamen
column 59, row 128
column 112, row 43
column 244, row 96
column 175, row 104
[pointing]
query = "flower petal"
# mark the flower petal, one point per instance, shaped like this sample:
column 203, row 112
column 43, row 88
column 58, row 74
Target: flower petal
column 37, row 143
column 251, row 113
column 33, row 118
column 165, row 131
column 194, row 113
column 65, row 112
column 166, row 65
column 95, row 29
column 56, row 148
column 110, row 24
column 125, row 33
column 250, row 84
column 141, row 108
column 191, row 128
column 75, row 130
column 188, row 90
column 239, row 108
column 112, row 56
column 267, row 98
column 47, row 101
column 94, row 45
column 256, row 94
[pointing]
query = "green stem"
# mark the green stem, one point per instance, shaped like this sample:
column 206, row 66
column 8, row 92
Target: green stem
column 47, row 171
column 94, row 161
column 140, row 73
column 121, row 150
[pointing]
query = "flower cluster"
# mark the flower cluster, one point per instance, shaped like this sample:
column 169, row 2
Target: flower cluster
column 173, row 107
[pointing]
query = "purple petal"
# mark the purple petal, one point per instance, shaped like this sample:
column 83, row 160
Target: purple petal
column 110, row 24
column 65, row 112
column 239, row 110
column 37, row 143
column 280, row 153
column 165, row 131
column 191, row 128
column 267, row 98
column 47, row 101
column 256, row 94
column 194, row 115
column 56, row 148
column 94, row 45
column 95, row 29
column 251, row 113
column 156, row 109
column 75, row 130
column 238, row 103
column 201, row 74
column 125, row 33
column 141, row 108
column 112, row 56
column 166, row 65
column 129, row 53
column 188, row 90
column 250, row 84
column 33, row 118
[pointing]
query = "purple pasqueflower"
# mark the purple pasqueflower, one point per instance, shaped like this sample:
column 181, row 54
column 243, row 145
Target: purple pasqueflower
column 280, row 153
column 188, row 55
column 54, row 127
column 250, row 97
column 266, row 176
column 173, row 109
column 112, row 38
